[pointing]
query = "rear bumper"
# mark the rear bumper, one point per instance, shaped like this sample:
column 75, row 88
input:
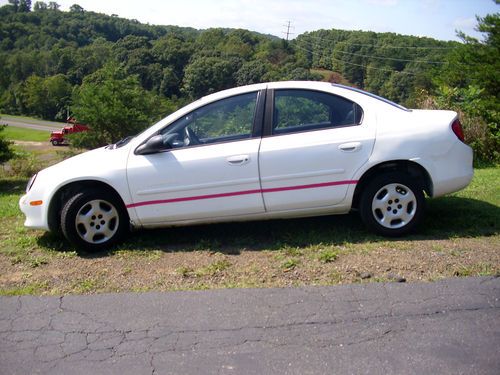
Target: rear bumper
column 452, row 172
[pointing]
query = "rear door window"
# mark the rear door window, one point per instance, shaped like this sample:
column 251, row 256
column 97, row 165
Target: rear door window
column 305, row 110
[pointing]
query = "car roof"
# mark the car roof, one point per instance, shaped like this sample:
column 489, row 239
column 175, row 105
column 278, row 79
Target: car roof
column 351, row 93
column 309, row 85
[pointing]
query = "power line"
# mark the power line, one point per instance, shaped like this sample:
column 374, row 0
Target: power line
column 377, row 46
column 393, row 58
column 363, row 66
column 372, row 67
column 385, row 58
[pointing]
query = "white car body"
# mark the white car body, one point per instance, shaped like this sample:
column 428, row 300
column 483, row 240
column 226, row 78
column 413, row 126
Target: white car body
column 272, row 176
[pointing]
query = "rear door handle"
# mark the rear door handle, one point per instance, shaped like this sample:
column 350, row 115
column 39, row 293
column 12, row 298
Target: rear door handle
column 238, row 159
column 350, row 147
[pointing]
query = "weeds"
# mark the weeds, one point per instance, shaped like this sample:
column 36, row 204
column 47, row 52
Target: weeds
column 289, row 264
column 328, row 255
column 24, row 165
column 213, row 268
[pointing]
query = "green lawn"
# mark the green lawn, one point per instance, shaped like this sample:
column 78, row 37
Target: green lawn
column 24, row 134
column 460, row 236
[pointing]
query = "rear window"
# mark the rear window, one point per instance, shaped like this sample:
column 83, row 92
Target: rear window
column 386, row 101
column 298, row 110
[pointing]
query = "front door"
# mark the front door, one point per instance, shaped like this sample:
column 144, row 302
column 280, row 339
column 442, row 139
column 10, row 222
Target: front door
column 211, row 171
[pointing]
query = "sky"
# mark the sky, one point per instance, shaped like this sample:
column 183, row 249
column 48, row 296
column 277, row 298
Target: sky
column 439, row 19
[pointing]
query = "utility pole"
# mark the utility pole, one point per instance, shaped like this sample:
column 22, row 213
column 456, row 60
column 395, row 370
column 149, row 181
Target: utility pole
column 287, row 32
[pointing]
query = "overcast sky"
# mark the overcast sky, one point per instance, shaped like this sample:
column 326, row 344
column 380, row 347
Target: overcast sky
column 434, row 18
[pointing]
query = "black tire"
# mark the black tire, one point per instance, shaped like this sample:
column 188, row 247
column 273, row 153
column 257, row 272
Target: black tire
column 98, row 231
column 55, row 143
column 392, row 204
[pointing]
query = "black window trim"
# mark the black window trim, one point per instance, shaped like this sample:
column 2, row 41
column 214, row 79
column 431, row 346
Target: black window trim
column 269, row 112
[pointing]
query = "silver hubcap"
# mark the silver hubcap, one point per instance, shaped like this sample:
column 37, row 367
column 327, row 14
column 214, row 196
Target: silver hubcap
column 394, row 206
column 97, row 221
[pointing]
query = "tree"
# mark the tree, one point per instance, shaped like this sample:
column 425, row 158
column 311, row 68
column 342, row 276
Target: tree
column 114, row 105
column 24, row 6
column 47, row 97
column 34, row 96
column 15, row 4
column 40, row 6
column 75, row 8
column 475, row 62
column 174, row 51
column 53, row 5
column 251, row 72
column 6, row 152
column 206, row 75
column 470, row 85
column 169, row 83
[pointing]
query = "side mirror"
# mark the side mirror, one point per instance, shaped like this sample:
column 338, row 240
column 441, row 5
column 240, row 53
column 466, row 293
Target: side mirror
column 156, row 144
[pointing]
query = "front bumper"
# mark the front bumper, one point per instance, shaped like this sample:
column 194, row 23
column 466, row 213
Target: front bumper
column 36, row 217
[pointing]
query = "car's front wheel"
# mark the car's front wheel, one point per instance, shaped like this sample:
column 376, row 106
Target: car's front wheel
column 392, row 204
column 93, row 220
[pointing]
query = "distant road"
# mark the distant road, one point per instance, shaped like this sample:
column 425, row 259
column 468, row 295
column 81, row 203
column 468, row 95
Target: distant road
column 25, row 122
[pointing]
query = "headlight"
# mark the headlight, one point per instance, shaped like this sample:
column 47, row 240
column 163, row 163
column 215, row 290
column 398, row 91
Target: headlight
column 31, row 182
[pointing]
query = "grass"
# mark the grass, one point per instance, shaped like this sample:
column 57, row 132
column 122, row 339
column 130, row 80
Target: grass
column 213, row 268
column 328, row 255
column 32, row 289
column 10, row 190
column 459, row 237
column 289, row 264
column 24, row 134
column 471, row 212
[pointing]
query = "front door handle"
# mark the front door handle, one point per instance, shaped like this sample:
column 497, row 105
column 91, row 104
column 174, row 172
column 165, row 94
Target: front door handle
column 350, row 147
column 238, row 159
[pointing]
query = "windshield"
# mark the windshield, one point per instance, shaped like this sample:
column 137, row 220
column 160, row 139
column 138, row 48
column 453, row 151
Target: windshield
column 120, row 143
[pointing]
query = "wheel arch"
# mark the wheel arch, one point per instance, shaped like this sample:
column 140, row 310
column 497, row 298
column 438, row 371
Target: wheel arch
column 70, row 189
column 410, row 167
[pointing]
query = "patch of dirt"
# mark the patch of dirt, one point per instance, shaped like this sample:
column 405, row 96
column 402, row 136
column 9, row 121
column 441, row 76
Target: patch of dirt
column 163, row 270
column 29, row 143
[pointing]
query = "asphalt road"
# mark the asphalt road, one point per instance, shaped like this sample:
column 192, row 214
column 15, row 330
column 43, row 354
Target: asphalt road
column 447, row 327
column 31, row 123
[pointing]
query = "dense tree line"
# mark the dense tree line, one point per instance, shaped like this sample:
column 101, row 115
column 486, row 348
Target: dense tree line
column 388, row 64
column 51, row 61
column 46, row 53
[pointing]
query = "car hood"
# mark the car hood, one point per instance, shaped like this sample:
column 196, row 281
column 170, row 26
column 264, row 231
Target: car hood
column 98, row 164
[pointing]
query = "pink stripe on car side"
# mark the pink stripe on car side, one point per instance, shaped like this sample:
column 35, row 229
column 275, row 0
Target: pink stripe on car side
column 243, row 192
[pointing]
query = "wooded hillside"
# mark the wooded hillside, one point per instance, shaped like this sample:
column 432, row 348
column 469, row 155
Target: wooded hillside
column 51, row 60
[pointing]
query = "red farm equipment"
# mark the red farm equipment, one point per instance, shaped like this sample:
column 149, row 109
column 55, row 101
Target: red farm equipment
column 59, row 137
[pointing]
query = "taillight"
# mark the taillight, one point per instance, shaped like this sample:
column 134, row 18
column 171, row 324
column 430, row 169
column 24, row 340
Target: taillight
column 457, row 129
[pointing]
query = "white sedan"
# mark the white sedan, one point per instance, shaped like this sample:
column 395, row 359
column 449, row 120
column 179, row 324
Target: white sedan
column 265, row 151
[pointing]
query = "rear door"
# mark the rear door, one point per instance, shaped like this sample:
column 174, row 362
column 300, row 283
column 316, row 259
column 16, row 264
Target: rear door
column 313, row 143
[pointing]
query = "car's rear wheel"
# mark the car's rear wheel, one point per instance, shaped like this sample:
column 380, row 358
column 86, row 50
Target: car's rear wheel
column 93, row 220
column 392, row 204
column 55, row 143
